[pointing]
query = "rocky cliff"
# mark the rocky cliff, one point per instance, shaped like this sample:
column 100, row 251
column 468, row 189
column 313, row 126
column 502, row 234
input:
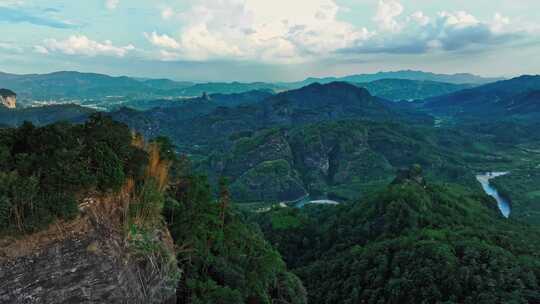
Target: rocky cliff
column 88, row 260
column 8, row 98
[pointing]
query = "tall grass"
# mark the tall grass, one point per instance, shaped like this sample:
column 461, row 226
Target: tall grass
column 143, row 200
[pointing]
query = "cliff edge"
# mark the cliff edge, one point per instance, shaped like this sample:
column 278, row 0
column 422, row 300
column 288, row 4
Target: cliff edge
column 88, row 260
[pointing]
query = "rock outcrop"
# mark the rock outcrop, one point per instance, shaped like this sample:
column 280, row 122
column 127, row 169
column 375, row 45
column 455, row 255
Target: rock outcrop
column 270, row 181
column 413, row 174
column 8, row 98
column 87, row 260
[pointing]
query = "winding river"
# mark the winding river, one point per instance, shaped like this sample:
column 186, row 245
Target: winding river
column 307, row 200
column 502, row 202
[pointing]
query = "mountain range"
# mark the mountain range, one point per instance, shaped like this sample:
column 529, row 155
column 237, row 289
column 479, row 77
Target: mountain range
column 514, row 97
column 101, row 90
column 215, row 196
column 462, row 78
column 320, row 138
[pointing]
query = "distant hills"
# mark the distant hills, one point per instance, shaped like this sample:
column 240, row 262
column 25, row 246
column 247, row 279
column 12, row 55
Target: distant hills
column 44, row 115
column 502, row 99
column 198, row 104
column 102, row 91
column 318, row 102
column 462, row 78
column 202, row 121
column 318, row 139
column 405, row 89
column 68, row 85
column 97, row 88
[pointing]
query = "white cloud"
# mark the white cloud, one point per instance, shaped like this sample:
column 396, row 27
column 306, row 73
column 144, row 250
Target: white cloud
column 447, row 31
column 167, row 13
column 458, row 19
column 261, row 30
column 499, row 23
column 10, row 47
column 258, row 30
column 82, row 45
column 41, row 50
column 387, row 12
column 419, row 18
column 8, row 3
column 112, row 4
column 162, row 41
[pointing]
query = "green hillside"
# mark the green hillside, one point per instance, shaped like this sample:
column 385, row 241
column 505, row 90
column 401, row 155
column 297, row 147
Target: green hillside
column 413, row 242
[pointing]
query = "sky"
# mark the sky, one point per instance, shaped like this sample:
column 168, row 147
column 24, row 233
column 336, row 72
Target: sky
column 269, row 40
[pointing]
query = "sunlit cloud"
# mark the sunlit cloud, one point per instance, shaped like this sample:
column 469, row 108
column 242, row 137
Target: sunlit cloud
column 82, row 45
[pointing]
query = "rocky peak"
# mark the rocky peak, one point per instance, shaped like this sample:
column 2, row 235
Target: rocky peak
column 8, row 98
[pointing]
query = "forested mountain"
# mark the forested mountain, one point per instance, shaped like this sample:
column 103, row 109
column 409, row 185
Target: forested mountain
column 69, row 85
column 203, row 104
column 44, row 115
column 523, row 103
column 462, row 78
column 310, row 104
column 139, row 225
column 269, row 152
column 199, row 215
column 332, row 140
column 105, row 91
column 98, row 88
column 228, row 88
column 414, row 242
column 496, row 100
column 340, row 160
column 166, row 84
column 406, row 89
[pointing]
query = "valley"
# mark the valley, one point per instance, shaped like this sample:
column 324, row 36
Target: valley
column 269, row 152
column 318, row 184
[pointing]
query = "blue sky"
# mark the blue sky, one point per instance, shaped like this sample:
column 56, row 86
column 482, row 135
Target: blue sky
column 261, row 40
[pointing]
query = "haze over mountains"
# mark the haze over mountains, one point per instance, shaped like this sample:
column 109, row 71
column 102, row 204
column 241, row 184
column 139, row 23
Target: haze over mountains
column 516, row 96
column 101, row 90
column 463, row 78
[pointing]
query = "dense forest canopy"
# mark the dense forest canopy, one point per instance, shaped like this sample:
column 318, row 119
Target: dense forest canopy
column 46, row 172
column 427, row 234
column 414, row 242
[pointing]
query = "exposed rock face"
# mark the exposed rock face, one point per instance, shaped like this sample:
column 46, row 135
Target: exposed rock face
column 262, row 169
column 8, row 98
column 315, row 159
column 85, row 261
column 270, row 181
column 247, row 154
